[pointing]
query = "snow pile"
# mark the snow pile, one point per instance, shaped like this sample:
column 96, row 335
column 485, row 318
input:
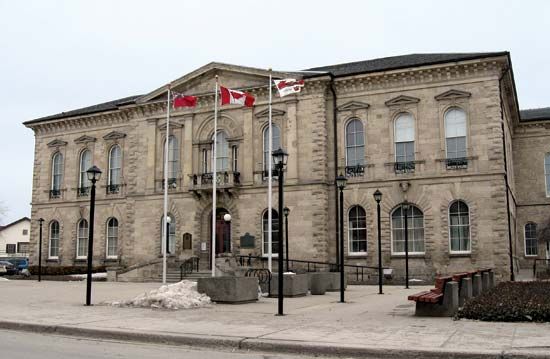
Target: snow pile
column 2, row 279
column 181, row 295
column 94, row 275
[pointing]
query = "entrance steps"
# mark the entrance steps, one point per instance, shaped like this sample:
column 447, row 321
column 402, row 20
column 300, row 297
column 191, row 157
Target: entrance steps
column 174, row 276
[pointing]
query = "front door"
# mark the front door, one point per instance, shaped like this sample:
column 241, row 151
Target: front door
column 223, row 232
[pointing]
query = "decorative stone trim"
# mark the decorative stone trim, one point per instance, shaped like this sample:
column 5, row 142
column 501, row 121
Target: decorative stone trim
column 265, row 113
column 85, row 139
column 57, row 143
column 114, row 135
column 452, row 95
column 353, row 106
column 402, row 100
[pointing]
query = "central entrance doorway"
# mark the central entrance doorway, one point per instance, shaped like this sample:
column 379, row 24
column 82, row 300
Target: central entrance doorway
column 223, row 232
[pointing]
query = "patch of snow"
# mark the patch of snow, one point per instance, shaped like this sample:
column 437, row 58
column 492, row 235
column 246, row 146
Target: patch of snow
column 94, row 275
column 181, row 295
column 2, row 279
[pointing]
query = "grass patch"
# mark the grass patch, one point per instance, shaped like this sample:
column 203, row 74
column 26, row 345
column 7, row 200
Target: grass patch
column 510, row 302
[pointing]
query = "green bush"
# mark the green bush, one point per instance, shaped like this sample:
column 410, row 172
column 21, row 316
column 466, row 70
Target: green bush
column 64, row 270
column 511, row 302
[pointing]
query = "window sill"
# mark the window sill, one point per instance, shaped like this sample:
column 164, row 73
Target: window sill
column 357, row 255
column 111, row 259
column 81, row 259
column 52, row 260
column 460, row 254
column 531, row 255
column 411, row 255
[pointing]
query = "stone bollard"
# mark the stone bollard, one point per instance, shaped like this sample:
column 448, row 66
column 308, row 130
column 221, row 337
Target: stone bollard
column 485, row 281
column 318, row 283
column 450, row 298
column 465, row 291
column 476, row 285
column 491, row 279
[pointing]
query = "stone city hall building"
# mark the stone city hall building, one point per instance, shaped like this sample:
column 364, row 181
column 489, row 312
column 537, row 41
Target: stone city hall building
column 443, row 132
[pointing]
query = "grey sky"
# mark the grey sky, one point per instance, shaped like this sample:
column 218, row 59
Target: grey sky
column 61, row 55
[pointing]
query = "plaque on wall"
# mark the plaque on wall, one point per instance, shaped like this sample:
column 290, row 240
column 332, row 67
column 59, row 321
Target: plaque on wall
column 203, row 246
column 247, row 241
column 187, row 241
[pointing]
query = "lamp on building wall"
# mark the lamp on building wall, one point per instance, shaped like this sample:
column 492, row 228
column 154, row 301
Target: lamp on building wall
column 280, row 158
column 94, row 174
column 341, row 182
column 378, row 198
column 286, row 212
column 405, row 208
column 40, row 220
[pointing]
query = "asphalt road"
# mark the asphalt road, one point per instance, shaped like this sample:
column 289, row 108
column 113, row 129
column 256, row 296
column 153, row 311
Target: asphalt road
column 23, row 345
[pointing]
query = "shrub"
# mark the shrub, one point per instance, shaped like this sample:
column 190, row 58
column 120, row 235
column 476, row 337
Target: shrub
column 64, row 270
column 511, row 302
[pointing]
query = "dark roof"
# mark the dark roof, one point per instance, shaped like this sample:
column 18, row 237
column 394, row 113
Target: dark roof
column 14, row 223
column 106, row 106
column 351, row 68
column 535, row 114
column 403, row 61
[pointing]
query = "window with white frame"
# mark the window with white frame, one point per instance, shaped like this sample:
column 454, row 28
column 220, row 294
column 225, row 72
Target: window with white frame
column 274, row 232
column 459, row 227
column 173, row 157
column 57, row 171
column 275, row 143
column 547, row 173
column 171, row 234
column 415, row 226
column 204, row 160
column 112, row 238
column 531, row 248
column 85, row 164
column 53, row 251
column 82, row 239
column 235, row 155
column 355, row 143
column 455, row 133
column 357, row 230
column 222, row 152
column 115, row 165
column 404, row 138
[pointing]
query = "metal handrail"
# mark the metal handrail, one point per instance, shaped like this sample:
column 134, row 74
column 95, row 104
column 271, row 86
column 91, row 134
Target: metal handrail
column 188, row 266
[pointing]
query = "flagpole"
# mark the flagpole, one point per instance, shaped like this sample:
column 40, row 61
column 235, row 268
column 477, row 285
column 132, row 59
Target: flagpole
column 269, row 187
column 214, row 181
column 166, row 235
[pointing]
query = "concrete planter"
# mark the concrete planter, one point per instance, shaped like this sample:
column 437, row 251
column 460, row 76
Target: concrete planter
column 318, row 283
column 295, row 285
column 333, row 281
column 233, row 290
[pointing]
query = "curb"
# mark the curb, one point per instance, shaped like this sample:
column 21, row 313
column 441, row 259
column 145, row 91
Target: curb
column 268, row 345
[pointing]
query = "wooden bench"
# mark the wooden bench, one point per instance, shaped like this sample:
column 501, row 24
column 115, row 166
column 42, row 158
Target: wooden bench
column 434, row 295
column 441, row 301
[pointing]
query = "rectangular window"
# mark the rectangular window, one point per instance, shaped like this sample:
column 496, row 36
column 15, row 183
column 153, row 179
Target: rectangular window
column 25, row 232
column 204, row 161
column 235, row 155
column 456, row 147
column 10, row 248
column 404, row 151
column 274, row 236
column 22, row 247
column 531, row 239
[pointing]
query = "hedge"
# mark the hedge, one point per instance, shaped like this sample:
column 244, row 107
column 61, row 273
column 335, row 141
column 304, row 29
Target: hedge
column 511, row 302
column 65, row 270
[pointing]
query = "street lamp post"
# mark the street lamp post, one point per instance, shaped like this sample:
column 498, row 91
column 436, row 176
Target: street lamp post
column 378, row 199
column 94, row 174
column 280, row 157
column 227, row 219
column 341, row 184
column 40, row 220
column 168, row 220
column 405, row 207
column 286, row 211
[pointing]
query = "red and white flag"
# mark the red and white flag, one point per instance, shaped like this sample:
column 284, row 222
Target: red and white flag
column 184, row 101
column 234, row 97
column 288, row 86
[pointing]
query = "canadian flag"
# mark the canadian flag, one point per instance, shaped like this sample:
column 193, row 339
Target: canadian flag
column 234, row 97
column 288, row 86
column 184, row 101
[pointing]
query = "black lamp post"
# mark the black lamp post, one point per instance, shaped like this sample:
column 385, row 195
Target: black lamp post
column 94, row 174
column 40, row 220
column 341, row 184
column 405, row 207
column 279, row 158
column 286, row 211
column 378, row 199
column 168, row 220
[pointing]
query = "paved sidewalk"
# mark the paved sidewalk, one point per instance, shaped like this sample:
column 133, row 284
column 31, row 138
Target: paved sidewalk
column 368, row 324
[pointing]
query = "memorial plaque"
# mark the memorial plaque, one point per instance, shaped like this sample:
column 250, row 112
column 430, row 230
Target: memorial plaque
column 187, row 241
column 247, row 241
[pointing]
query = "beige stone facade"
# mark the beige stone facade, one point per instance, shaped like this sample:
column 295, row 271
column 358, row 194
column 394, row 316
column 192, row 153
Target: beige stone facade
column 481, row 86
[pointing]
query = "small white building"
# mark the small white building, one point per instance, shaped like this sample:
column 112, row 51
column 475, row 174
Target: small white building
column 14, row 238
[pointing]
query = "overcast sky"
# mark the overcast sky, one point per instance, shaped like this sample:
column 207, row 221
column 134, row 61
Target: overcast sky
column 60, row 55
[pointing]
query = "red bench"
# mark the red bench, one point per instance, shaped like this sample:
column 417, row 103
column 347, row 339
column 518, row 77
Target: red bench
column 434, row 295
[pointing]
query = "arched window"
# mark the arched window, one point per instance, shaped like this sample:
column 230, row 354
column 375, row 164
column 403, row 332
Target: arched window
column 404, row 138
column 173, row 158
column 531, row 248
column 115, row 168
column 415, row 223
column 53, row 251
column 57, row 174
column 355, row 143
column 82, row 239
column 222, row 152
column 112, row 238
column 547, row 173
column 275, row 143
column 357, row 230
column 85, row 164
column 459, row 227
column 274, row 232
column 455, row 133
column 171, row 234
